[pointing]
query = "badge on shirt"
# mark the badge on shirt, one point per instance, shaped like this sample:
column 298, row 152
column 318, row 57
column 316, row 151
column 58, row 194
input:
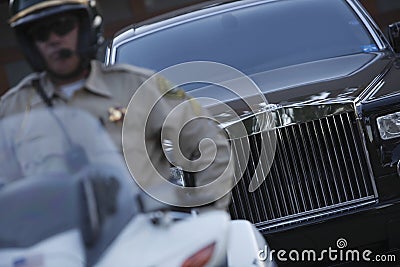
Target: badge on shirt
column 116, row 114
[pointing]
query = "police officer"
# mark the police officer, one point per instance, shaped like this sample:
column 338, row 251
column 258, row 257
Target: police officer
column 60, row 40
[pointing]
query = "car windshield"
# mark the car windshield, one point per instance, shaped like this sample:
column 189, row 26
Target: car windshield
column 257, row 38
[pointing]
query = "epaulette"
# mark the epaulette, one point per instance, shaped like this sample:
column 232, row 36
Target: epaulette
column 24, row 83
column 120, row 67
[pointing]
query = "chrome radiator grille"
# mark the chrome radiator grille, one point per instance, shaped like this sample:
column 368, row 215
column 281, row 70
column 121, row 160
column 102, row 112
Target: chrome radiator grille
column 319, row 167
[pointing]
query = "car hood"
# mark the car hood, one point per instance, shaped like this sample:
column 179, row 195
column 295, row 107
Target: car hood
column 329, row 81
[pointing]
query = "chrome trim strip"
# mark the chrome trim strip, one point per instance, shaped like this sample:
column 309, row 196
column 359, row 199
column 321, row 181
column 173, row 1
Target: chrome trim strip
column 284, row 116
column 358, row 112
column 269, row 225
column 353, row 168
column 107, row 56
column 261, row 177
column 252, row 196
column 359, row 154
column 278, row 212
column 330, row 156
column 371, row 27
column 323, row 163
column 373, row 87
column 244, row 204
column 395, row 94
column 376, row 84
column 314, row 152
column 342, row 156
column 398, row 168
column 343, row 176
column 304, row 192
column 238, row 176
column 280, row 187
column 290, row 205
column 312, row 172
column 303, row 170
column 218, row 12
column 113, row 55
column 287, row 191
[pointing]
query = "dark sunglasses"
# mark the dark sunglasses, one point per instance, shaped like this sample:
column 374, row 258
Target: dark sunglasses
column 60, row 26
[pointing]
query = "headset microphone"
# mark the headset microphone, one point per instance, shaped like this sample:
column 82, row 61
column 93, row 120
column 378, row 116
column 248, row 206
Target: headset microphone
column 65, row 53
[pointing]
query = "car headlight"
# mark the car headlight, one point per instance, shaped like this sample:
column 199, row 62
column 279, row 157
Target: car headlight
column 389, row 126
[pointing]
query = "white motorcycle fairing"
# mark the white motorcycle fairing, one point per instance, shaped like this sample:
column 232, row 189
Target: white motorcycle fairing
column 67, row 200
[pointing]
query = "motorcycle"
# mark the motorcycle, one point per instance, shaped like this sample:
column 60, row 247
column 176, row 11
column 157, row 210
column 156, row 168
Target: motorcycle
column 67, row 199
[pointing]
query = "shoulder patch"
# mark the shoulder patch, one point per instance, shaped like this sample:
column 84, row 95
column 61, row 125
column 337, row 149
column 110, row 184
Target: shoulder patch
column 167, row 89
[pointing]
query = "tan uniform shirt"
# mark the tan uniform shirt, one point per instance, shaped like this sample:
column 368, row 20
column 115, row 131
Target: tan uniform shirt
column 110, row 89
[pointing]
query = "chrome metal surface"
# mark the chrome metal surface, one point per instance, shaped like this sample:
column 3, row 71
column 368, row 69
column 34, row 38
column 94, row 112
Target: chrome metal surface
column 319, row 167
column 278, row 116
column 398, row 168
column 368, row 22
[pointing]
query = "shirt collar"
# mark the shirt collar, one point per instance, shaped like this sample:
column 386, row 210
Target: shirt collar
column 47, row 86
column 95, row 83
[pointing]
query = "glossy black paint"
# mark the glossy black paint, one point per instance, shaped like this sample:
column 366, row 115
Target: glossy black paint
column 367, row 84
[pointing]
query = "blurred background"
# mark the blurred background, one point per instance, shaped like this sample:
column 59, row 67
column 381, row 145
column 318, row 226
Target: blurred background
column 120, row 13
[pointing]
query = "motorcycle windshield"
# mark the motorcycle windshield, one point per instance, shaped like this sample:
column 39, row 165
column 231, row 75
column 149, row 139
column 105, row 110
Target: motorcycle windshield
column 59, row 171
column 59, row 141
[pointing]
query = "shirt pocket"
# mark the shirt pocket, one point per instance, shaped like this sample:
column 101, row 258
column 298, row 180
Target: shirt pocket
column 42, row 155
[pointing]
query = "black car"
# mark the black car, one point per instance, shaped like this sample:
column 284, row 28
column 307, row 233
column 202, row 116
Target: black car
column 332, row 82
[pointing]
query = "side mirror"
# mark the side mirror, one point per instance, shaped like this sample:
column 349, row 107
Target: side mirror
column 394, row 36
